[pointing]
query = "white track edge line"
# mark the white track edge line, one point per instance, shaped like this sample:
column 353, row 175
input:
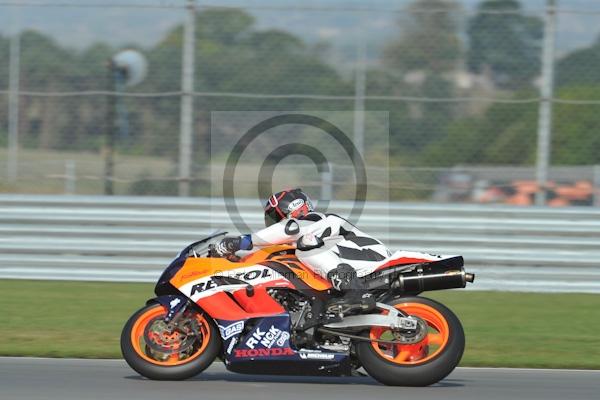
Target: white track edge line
column 460, row 368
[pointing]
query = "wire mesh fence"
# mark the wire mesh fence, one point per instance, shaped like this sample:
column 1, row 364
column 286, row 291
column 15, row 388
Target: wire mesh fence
column 459, row 82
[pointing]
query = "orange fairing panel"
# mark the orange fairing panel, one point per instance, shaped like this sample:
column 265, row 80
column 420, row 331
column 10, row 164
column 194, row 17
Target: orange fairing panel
column 265, row 252
column 274, row 266
column 313, row 280
column 260, row 302
column 281, row 254
column 197, row 279
column 221, row 306
column 195, row 268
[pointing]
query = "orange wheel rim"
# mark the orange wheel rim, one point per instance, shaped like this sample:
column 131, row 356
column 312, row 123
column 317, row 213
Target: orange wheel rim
column 429, row 347
column 174, row 357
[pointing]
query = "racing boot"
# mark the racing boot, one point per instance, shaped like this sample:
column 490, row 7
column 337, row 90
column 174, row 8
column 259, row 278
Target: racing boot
column 355, row 297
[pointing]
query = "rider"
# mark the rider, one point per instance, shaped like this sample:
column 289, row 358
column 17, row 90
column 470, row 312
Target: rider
column 330, row 245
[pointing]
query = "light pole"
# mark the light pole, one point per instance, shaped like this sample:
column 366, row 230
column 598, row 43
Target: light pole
column 125, row 69
column 12, row 168
column 359, row 92
column 186, row 120
column 545, row 111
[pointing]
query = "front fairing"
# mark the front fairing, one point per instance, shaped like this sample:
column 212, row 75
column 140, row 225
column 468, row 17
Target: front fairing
column 163, row 287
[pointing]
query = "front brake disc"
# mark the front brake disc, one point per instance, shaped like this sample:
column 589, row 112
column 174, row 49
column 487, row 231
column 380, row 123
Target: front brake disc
column 160, row 339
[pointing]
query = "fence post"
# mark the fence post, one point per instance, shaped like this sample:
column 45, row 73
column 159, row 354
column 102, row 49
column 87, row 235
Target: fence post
column 70, row 177
column 327, row 182
column 596, row 185
column 110, row 133
column 187, row 100
column 13, row 103
column 545, row 110
column 359, row 93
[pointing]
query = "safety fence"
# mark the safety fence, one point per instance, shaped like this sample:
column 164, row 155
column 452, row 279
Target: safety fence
column 134, row 238
column 499, row 83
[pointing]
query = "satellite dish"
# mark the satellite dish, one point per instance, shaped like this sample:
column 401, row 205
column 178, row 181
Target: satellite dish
column 133, row 64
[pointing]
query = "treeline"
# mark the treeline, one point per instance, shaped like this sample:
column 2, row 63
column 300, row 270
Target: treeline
column 499, row 57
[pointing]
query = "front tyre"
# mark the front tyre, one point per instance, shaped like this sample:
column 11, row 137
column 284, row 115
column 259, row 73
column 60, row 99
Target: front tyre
column 156, row 352
column 428, row 359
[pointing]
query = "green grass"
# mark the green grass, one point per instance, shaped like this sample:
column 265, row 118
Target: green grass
column 536, row 330
column 41, row 171
column 66, row 319
column 72, row 319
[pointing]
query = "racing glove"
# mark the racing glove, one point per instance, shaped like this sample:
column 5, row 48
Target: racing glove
column 229, row 245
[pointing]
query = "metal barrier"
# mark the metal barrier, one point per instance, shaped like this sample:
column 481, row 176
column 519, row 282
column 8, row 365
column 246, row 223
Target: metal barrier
column 134, row 238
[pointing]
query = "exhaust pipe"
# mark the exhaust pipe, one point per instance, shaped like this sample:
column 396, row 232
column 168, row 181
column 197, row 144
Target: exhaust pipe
column 433, row 277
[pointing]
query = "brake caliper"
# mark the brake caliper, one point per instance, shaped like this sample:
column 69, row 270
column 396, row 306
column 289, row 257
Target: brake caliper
column 409, row 330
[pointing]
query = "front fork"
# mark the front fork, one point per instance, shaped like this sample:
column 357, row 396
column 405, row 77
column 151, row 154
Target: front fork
column 175, row 304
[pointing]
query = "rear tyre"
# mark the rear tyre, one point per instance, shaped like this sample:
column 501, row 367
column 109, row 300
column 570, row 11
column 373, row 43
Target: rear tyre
column 156, row 353
column 423, row 363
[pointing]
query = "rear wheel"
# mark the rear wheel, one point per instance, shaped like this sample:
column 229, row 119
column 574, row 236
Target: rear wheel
column 425, row 357
column 157, row 352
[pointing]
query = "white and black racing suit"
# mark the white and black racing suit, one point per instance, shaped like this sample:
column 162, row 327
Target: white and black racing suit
column 328, row 244
column 324, row 242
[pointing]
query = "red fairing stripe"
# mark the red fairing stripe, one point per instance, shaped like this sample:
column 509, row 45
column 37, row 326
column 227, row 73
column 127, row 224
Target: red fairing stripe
column 401, row 261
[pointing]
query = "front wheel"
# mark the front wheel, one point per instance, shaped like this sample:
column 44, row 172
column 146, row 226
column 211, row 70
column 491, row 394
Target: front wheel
column 423, row 359
column 157, row 352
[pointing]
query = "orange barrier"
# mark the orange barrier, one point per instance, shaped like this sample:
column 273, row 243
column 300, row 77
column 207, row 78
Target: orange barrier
column 522, row 193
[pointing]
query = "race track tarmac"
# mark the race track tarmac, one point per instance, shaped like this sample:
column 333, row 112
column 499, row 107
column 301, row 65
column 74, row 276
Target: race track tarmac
column 73, row 379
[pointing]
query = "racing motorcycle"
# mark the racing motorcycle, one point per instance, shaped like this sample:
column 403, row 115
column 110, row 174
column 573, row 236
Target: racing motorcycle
column 266, row 313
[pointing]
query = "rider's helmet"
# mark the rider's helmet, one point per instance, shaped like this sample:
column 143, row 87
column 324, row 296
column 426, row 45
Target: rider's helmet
column 292, row 203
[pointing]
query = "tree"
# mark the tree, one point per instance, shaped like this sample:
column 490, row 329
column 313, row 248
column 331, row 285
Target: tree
column 506, row 42
column 233, row 55
column 507, row 134
column 48, row 122
column 428, row 40
column 581, row 67
column 4, row 51
column 430, row 47
column 575, row 138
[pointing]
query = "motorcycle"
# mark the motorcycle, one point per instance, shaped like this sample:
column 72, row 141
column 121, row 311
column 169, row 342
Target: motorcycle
column 266, row 313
